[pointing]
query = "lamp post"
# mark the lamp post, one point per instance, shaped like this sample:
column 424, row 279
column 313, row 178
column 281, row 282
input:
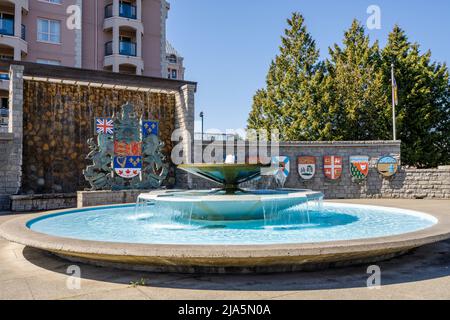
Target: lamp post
column 202, row 115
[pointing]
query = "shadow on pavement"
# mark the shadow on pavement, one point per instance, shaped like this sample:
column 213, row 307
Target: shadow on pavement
column 429, row 262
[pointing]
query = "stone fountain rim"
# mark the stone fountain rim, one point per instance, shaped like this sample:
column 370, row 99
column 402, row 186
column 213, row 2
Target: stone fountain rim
column 171, row 195
column 16, row 230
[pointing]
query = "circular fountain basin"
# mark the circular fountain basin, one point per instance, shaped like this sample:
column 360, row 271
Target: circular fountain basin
column 295, row 239
column 218, row 205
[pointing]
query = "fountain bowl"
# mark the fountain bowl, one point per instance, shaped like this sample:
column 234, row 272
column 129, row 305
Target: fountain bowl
column 209, row 255
column 218, row 205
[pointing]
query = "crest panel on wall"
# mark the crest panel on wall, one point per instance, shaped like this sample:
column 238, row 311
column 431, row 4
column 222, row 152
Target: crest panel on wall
column 150, row 127
column 307, row 167
column 387, row 166
column 332, row 166
column 128, row 166
column 104, row 126
column 280, row 166
column 128, row 153
column 359, row 167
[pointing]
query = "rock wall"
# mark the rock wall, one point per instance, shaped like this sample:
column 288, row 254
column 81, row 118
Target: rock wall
column 59, row 119
column 418, row 184
column 99, row 198
column 11, row 141
column 408, row 183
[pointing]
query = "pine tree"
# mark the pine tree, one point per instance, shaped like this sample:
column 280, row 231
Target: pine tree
column 423, row 113
column 358, row 104
column 289, row 97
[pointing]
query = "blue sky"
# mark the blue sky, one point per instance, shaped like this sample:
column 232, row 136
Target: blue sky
column 228, row 45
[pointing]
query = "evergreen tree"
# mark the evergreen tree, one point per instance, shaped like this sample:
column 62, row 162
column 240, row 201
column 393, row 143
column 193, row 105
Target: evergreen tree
column 348, row 97
column 358, row 107
column 289, row 96
column 423, row 113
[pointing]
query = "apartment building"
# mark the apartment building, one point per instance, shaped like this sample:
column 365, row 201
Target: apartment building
column 120, row 36
column 127, row 36
column 175, row 68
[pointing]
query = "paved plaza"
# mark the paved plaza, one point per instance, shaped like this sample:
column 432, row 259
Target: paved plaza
column 26, row 273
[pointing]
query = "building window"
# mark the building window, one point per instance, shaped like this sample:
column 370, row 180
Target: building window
column 6, row 24
column 4, row 103
column 174, row 73
column 50, row 62
column 172, row 58
column 49, row 30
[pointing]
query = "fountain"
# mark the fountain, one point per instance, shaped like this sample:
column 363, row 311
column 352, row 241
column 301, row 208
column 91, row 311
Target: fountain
column 228, row 202
column 228, row 229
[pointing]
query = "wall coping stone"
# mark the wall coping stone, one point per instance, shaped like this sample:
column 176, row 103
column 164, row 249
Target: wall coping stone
column 43, row 196
column 340, row 143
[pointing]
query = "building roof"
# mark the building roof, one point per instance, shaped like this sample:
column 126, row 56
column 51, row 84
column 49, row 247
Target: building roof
column 171, row 50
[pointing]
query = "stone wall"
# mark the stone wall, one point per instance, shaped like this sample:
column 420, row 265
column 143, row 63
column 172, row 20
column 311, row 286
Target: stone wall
column 39, row 202
column 417, row 184
column 99, row 198
column 184, row 120
column 408, row 183
column 11, row 141
column 58, row 121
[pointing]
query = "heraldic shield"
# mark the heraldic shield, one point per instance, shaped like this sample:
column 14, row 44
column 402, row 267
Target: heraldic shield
column 332, row 166
column 307, row 167
column 359, row 167
column 128, row 153
column 387, row 166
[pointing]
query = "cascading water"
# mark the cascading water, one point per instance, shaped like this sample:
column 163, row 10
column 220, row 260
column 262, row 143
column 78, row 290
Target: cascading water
column 274, row 212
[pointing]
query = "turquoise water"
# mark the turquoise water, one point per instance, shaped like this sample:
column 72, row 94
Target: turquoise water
column 153, row 225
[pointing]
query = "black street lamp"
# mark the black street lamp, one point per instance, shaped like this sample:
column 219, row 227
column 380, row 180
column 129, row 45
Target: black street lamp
column 202, row 115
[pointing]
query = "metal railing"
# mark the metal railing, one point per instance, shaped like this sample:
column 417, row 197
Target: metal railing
column 126, row 10
column 23, row 32
column 126, row 48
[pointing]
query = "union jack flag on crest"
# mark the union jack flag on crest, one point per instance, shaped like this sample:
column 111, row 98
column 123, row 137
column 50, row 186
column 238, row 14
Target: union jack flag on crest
column 104, row 125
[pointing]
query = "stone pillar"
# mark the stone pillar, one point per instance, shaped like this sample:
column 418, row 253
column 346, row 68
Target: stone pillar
column 17, row 20
column 15, row 126
column 115, row 39
column 185, row 109
column 115, row 10
column 115, row 47
column 138, row 44
column 17, row 54
column 184, row 119
column 139, row 9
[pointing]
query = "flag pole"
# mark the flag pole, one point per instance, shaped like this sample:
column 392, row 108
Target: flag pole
column 394, row 129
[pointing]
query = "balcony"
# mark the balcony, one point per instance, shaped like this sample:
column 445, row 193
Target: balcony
column 8, row 39
column 126, row 48
column 126, row 10
column 126, row 57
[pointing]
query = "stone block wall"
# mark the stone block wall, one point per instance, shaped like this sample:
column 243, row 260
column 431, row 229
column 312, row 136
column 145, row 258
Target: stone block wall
column 418, row 184
column 59, row 118
column 99, row 198
column 408, row 183
column 11, row 141
column 184, row 120
column 39, row 202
